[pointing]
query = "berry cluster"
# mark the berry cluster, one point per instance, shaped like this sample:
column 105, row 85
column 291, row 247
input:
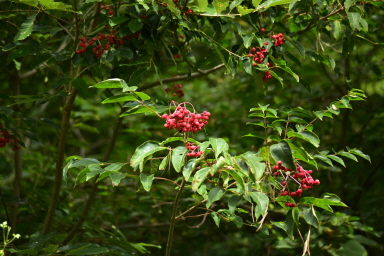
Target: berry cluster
column 177, row 90
column 279, row 39
column 106, row 7
column 109, row 41
column 5, row 138
column 257, row 54
column 184, row 120
column 267, row 75
column 195, row 152
column 301, row 177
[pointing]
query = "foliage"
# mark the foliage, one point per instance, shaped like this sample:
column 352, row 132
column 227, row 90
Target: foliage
column 74, row 77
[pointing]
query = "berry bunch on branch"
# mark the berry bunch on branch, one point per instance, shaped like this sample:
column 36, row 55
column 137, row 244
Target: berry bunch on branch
column 6, row 138
column 278, row 39
column 300, row 178
column 176, row 91
column 194, row 150
column 184, row 120
column 103, row 42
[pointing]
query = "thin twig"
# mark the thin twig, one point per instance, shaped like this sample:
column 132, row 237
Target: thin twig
column 180, row 78
column 190, row 209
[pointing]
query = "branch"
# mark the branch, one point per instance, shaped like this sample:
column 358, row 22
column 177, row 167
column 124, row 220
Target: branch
column 92, row 195
column 180, row 78
column 14, row 210
column 173, row 219
column 59, row 160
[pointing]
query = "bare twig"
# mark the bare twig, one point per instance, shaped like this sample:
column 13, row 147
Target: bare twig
column 190, row 209
column 180, row 78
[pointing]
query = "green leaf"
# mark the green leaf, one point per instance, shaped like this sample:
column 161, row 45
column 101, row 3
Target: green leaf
column 199, row 178
column 135, row 25
column 120, row 98
column 324, row 159
column 277, row 77
column 348, row 155
column 178, row 157
column 171, row 6
column 114, row 167
column 299, row 47
column 337, row 30
column 244, row 11
column 118, row 20
column 360, row 154
column 203, row 4
column 323, row 202
column 336, row 159
column 114, row 83
column 81, row 86
column 280, row 225
column 81, row 177
column 165, row 162
column 256, row 3
column 50, row 4
column 262, row 202
column 352, row 248
column 142, row 95
column 215, row 194
column 219, row 145
column 298, row 151
column 290, row 224
column 147, row 181
column 84, row 162
column 258, row 123
column 348, row 4
column 238, row 221
column 233, row 201
column 126, row 52
column 255, row 164
column 116, row 178
column 238, row 178
column 270, row 3
column 190, row 167
column 146, row 7
column 94, row 169
column 354, row 20
column 137, row 77
column 172, row 139
column 247, row 39
column 216, row 218
column 288, row 70
column 146, row 149
column 282, row 151
column 310, row 217
column 220, row 5
column 218, row 165
column 26, row 28
column 306, row 135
